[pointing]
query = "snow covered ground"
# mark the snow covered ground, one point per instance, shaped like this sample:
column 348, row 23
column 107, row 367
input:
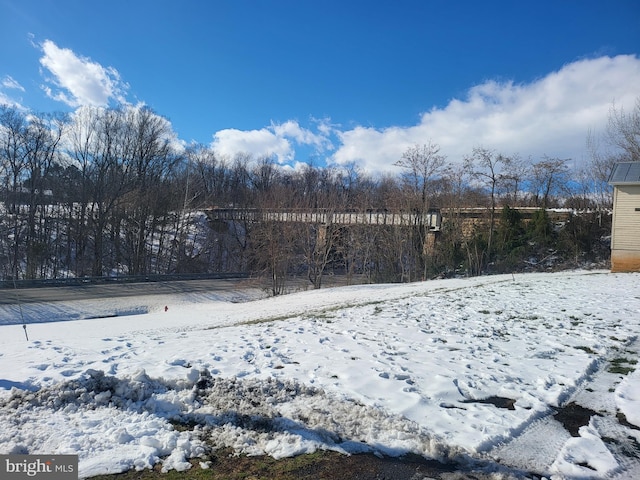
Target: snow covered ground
column 479, row 371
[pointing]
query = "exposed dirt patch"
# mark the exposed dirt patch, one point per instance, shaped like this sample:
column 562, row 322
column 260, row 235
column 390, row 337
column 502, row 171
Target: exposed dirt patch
column 574, row 416
column 223, row 465
column 500, row 402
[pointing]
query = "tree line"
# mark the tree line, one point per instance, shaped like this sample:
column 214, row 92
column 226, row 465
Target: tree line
column 111, row 191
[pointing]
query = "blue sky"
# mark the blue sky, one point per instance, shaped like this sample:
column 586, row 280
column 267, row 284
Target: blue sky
column 335, row 82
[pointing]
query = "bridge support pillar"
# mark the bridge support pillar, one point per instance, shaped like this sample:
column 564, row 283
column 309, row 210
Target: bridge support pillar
column 430, row 242
column 321, row 236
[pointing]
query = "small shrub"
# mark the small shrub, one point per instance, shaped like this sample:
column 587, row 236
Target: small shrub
column 618, row 366
column 586, row 350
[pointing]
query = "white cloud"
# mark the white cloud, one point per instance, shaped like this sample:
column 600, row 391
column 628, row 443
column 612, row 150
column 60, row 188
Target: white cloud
column 293, row 130
column 79, row 81
column 551, row 116
column 278, row 140
column 5, row 100
column 231, row 141
column 10, row 82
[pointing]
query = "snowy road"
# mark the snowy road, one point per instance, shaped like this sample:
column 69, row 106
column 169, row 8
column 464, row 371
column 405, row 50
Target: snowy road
column 12, row 297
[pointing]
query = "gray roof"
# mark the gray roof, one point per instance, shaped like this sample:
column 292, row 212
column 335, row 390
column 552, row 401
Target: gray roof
column 625, row 173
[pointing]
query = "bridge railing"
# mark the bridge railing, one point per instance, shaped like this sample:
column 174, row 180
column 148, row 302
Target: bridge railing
column 432, row 219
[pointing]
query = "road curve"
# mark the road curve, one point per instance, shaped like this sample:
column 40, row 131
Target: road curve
column 90, row 291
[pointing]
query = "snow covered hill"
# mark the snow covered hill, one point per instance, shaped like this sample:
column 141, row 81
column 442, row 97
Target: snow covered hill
column 527, row 373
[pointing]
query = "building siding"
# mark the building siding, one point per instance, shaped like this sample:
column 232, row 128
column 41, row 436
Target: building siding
column 626, row 219
column 625, row 261
column 625, row 238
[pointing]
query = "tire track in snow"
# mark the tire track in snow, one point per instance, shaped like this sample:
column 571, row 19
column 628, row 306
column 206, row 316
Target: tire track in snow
column 624, row 447
column 541, row 443
column 535, row 449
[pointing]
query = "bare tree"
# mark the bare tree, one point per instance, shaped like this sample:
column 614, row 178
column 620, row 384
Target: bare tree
column 273, row 241
column 42, row 138
column 452, row 235
column 356, row 191
column 422, row 165
column 597, row 172
column 82, row 148
column 550, row 177
column 273, row 252
column 207, row 175
column 513, row 177
column 109, row 181
column 623, row 131
column 314, row 190
column 264, row 175
column 488, row 167
column 148, row 159
column 13, row 125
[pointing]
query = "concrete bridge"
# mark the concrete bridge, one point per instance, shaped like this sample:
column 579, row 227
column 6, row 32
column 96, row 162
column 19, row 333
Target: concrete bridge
column 432, row 219
column 469, row 218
